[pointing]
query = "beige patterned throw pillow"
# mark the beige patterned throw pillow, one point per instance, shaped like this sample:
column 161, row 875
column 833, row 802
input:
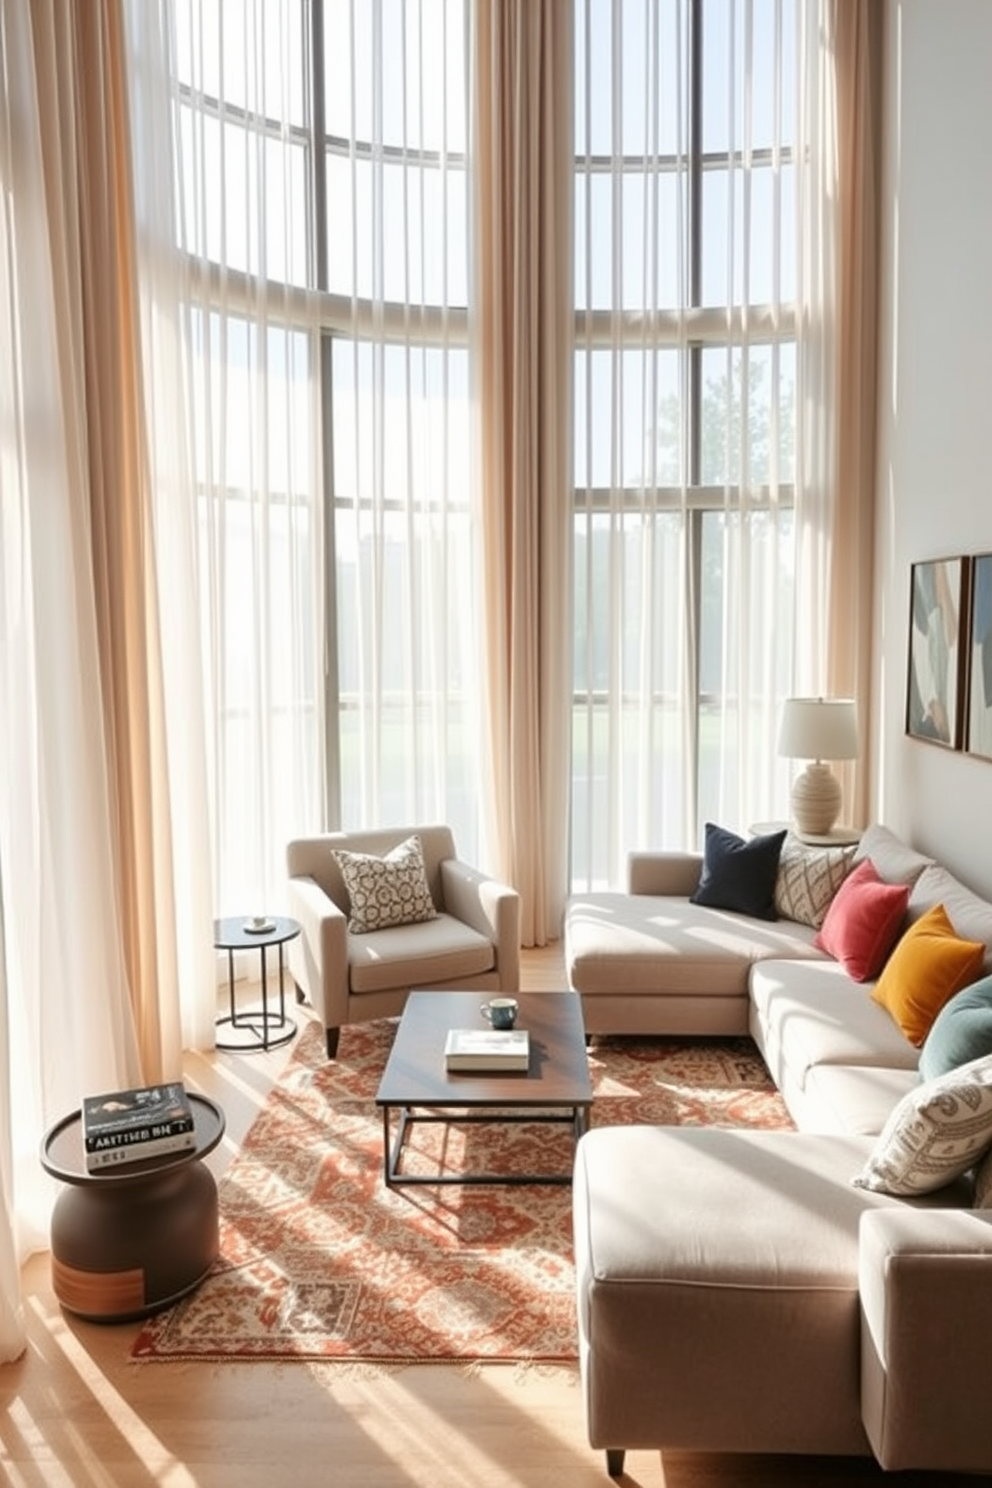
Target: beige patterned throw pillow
column 808, row 879
column 386, row 891
column 937, row 1132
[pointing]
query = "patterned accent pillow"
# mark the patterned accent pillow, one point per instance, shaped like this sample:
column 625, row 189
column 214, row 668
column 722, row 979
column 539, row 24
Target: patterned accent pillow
column 808, row 879
column 386, row 891
column 937, row 1132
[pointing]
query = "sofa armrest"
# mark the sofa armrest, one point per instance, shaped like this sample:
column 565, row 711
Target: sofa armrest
column 663, row 872
column 318, row 956
column 925, row 1278
column 491, row 908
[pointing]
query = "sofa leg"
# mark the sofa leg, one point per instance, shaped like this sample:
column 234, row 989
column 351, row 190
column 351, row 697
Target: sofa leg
column 300, row 994
column 333, row 1034
column 614, row 1461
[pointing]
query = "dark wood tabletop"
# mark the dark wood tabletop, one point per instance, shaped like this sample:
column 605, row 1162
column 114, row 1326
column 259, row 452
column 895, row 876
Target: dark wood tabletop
column 415, row 1073
column 63, row 1156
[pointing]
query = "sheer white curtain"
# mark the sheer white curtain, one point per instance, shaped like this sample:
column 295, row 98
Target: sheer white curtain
column 405, row 530
column 169, row 409
column 703, row 451
column 321, row 214
column 249, row 376
column 67, row 1024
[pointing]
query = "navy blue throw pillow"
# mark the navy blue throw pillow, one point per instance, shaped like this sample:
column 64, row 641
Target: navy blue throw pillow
column 961, row 1031
column 740, row 874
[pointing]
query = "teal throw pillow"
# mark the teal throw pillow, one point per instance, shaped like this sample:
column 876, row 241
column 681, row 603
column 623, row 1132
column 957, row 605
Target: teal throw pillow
column 961, row 1031
column 738, row 873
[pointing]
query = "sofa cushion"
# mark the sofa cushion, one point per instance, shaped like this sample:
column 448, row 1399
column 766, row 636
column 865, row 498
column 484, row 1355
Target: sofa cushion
column 423, row 955
column 805, row 1014
column 386, row 891
column 863, row 921
column 808, row 878
column 927, row 967
column 739, row 874
column 970, row 915
column 854, row 1099
column 934, row 1135
column 667, row 946
column 961, row 1031
column 895, row 861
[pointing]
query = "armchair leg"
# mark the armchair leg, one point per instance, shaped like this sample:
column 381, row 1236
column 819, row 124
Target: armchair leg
column 614, row 1461
column 300, row 994
column 333, row 1034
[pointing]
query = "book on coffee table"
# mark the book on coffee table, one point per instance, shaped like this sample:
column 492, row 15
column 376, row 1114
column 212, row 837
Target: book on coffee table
column 487, row 1049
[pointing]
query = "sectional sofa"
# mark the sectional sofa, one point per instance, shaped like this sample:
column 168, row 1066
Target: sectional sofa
column 827, row 1290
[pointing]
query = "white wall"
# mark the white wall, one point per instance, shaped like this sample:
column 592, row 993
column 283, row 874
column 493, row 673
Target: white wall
column 935, row 385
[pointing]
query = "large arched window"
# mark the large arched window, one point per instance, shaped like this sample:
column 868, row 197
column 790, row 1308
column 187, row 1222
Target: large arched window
column 322, row 189
column 324, row 195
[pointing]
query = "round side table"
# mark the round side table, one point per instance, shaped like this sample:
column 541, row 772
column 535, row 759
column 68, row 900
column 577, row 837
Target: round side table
column 132, row 1239
column 253, row 1029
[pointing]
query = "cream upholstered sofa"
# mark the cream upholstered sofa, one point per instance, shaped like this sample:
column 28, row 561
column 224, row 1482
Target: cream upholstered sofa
column 738, row 1291
column 473, row 939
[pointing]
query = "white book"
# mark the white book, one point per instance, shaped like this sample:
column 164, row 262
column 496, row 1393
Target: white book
column 487, row 1049
column 119, row 1157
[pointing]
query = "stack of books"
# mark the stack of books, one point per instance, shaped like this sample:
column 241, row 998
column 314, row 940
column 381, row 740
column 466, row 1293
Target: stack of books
column 131, row 1125
column 487, row 1049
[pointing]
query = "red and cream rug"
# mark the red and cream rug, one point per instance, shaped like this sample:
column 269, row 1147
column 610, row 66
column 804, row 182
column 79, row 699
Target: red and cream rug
column 319, row 1261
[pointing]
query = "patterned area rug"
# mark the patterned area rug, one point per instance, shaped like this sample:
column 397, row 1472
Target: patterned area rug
column 320, row 1261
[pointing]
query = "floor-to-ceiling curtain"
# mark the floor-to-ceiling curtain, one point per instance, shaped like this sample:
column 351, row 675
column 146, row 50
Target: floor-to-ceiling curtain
column 523, row 318
column 705, row 412
column 68, row 834
column 858, row 53
column 405, row 535
column 240, row 160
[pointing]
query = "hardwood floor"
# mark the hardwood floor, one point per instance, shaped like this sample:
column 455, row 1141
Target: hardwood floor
column 76, row 1411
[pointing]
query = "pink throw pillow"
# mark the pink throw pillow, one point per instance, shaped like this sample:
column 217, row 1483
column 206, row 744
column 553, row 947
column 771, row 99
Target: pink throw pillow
column 863, row 922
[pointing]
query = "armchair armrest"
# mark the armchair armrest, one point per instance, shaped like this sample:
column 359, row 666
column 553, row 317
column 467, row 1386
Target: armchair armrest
column 663, row 872
column 318, row 957
column 491, row 908
column 925, row 1279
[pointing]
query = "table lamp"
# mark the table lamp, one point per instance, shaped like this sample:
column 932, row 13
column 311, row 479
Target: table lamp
column 817, row 729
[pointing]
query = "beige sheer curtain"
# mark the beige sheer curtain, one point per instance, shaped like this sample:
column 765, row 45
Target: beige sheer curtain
column 858, row 51
column 109, row 376
column 522, row 155
column 90, row 999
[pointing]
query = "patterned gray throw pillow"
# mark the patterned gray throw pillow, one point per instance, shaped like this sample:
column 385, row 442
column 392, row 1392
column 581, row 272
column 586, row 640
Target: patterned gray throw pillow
column 386, row 891
column 808, row 878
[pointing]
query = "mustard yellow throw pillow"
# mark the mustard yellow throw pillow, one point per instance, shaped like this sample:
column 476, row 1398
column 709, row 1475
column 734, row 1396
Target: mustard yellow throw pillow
column 929, row 964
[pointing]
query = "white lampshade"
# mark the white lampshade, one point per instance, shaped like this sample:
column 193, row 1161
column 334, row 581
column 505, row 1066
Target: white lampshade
column 817, row 729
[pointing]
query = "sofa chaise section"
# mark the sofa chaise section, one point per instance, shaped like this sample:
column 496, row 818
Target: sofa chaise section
column 736, row 1293
column 649, row 961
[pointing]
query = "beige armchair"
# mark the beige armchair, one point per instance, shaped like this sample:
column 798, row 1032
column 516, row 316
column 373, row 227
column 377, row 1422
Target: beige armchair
column 474, row 941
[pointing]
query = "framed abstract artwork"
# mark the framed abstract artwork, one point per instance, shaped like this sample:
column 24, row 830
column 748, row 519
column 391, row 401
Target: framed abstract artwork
column 978, row 705
column 935, row 687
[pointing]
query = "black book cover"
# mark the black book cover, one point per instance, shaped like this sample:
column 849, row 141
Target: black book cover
column 121, row 1118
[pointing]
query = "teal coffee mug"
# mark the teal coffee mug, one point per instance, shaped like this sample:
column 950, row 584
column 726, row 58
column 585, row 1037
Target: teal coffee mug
column 501, row 1011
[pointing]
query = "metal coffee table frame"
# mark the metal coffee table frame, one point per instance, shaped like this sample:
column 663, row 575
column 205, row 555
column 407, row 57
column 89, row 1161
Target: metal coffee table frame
column 556, row 1090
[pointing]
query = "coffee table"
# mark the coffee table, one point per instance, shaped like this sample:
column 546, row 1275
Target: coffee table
column 415, row 1083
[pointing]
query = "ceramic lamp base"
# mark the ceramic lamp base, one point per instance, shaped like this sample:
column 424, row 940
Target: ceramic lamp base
column 816, row 800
